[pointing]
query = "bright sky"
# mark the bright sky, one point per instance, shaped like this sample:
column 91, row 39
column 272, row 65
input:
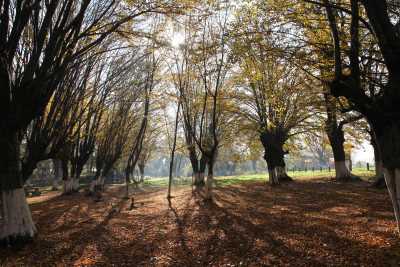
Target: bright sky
column 177, row 39
column 363, row 153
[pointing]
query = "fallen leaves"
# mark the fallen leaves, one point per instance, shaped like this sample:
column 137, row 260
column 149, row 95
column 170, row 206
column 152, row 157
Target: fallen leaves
column 311, row 223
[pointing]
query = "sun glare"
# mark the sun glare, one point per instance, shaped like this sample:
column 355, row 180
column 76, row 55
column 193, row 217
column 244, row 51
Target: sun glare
column 177, row 39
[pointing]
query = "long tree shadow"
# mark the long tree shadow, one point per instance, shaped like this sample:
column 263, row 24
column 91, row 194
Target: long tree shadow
column 314, row 223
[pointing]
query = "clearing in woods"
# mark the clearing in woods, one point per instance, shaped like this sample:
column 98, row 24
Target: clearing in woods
column 315, row 222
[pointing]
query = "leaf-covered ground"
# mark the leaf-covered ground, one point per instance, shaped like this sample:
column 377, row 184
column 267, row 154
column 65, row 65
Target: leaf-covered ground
column 305, row 223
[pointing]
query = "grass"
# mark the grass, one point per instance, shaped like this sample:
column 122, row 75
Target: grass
column 163, row 181
column 259, row 177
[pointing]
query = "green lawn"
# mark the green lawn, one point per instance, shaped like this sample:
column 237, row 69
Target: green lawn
column 260, row 177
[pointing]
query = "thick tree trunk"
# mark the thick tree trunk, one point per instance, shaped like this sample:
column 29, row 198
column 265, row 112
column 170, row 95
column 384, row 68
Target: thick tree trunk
column 68, row 186
column 379, row 181
column 273, row 179
column 16, row 220
column 198, row 178
column 275, row 156
column 17, row 224
column 335, row 133
column 199, row 181
column 281, row 174
column 336, row 139
column 75, row 184
column 97, row 184
column 387, row 135
column 342, row 172
column 141, row 171
column 392, row 177
column 57, row 173
column 68, row 183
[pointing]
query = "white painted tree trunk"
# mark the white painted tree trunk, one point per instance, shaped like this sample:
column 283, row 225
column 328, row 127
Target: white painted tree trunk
column 209, row 187
column 201, row 177
column 99, row 182
column 280, row 172
column 198, row 177
column 68, row 186
column 93, row 184
column 54, row 185
column 273, row 179
column 342, row 172
column 392, row 178
column 75, row 184
column 16, row 216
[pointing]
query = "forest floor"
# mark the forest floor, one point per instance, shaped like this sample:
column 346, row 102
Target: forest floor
column 315, row 222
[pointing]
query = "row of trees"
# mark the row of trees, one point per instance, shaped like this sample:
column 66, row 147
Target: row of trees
column 72, row 87
column 287, row 70
column 79, row 82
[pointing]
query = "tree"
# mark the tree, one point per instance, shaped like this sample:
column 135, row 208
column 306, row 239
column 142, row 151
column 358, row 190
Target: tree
column 38, row 42
column 272, row 95
column 147, row 83
column 202, row 87
column 121, row 112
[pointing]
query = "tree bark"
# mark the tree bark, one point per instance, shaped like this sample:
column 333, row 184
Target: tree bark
column 199, row 176
column 57, row 173
column 274, row 155
column 68, row 187
column 336, row 138
column 209, row 182
column 379, row 181
column 141, row 171
column 387, row 130
column 392, row 178
column 17, row 224
column 281, row 174
column 172, row 159
column 273, row 179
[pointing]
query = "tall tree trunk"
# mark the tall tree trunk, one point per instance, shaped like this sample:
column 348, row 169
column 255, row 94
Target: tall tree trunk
column 209, row 181
column 171, row 163
column 336, row 138
column 17, row 224
column 141, row 171
column 379, row 176
column 387, row 135
column 273, row 179
column 57, row 173
column 392, row 178
column 280, row 166
column 95, row 180
column 67, row 180
column 274, row 155
column 78, row 172
column 195, row 165
column 200, row 182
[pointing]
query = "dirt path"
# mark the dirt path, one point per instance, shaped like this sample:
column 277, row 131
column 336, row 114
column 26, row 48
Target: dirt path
column 310, row 223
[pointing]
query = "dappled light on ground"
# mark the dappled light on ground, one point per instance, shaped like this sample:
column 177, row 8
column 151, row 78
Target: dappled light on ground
column 315, row 223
